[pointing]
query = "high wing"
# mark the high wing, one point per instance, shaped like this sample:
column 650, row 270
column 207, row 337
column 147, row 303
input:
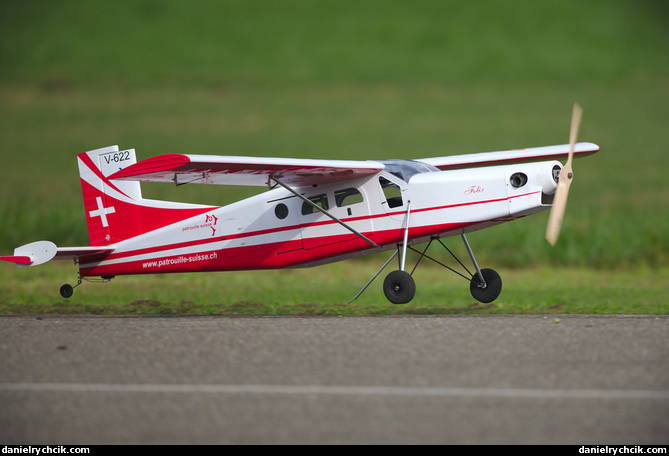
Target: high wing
column 509, row 157
column 258, row 171
column 233, row 170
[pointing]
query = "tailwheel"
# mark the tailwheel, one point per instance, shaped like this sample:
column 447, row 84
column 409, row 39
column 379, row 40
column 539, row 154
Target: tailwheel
column 66, row 291
column 488, row 289
column 399, row 287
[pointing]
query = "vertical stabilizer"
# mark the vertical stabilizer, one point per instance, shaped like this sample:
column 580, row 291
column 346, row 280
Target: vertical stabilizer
column 115, row 210
column 94, row 167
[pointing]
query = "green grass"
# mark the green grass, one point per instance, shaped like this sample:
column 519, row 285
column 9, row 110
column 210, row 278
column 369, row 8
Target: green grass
column 296, row 42
column 349, row 80
column 327, row 290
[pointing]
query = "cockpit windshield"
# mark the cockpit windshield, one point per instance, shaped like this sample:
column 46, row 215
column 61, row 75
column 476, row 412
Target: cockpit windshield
column 404, row 169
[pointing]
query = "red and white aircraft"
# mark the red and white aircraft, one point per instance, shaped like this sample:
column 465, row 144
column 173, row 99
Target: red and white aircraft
column 315, row 211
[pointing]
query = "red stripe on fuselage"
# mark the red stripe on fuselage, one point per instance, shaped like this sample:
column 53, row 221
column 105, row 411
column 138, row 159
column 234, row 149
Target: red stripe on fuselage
column 265, row 256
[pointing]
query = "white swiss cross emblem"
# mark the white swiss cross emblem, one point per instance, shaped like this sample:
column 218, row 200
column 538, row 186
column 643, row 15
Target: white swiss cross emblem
column 102, row 212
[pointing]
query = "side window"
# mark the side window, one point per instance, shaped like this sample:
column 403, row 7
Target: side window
column 391, row 192
column 320, row 200
column 347, row 196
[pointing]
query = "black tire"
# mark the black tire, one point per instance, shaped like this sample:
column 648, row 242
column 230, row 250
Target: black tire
column 399, row 287
column 492, row 289
column 66, row 291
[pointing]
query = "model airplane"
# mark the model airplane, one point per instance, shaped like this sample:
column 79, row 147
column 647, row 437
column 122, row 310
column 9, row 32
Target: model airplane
column 315, row 211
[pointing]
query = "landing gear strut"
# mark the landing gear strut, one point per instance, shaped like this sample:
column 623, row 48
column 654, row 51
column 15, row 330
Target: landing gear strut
column 67, row 290
column 485, row 285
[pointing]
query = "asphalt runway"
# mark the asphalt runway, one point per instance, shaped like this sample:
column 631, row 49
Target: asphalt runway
column 585, row 380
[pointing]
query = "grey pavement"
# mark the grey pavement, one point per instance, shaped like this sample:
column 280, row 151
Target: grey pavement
column 597, row 380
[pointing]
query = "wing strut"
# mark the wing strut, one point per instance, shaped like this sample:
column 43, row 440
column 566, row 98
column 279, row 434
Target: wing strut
column 307, row 200
column 375, row 276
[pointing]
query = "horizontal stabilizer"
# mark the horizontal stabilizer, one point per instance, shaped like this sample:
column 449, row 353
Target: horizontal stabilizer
column 41, row 252
column 83, row 253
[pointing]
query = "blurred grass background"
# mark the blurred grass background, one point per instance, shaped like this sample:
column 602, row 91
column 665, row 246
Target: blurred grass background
column 360, row 79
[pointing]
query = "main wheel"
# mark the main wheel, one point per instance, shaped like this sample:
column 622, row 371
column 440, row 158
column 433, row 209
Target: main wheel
column 66, row 291
column 492, row 289
column 399, row 287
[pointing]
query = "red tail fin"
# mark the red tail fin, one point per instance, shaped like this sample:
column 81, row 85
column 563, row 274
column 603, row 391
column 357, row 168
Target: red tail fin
column 115, row 210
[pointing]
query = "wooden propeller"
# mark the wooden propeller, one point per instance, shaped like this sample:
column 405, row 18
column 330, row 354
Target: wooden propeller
column 564, row 181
